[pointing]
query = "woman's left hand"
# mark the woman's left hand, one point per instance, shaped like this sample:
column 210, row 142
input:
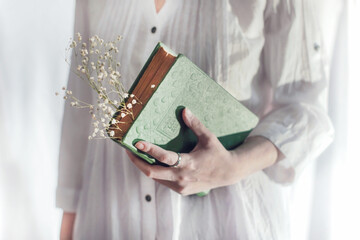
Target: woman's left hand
column 208, row 165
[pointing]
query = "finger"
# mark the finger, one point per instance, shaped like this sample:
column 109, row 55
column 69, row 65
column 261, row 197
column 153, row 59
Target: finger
column 196, row 125
column 169, row 184
column 157, row 152
column 181, row 189
column 153, row 171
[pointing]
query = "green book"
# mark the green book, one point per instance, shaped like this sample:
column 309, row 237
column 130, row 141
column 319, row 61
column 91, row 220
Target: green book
column 165, row 86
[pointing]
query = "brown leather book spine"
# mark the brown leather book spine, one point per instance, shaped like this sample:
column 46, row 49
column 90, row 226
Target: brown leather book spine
column 151, row 78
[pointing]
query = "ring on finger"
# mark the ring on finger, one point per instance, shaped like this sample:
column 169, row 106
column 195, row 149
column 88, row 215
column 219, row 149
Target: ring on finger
column 177, row 162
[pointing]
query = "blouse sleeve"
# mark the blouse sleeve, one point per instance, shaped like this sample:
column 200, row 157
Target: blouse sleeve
column 293, row 61
column 75, row 130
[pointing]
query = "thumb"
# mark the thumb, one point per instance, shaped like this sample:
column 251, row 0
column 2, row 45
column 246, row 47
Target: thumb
column 196, row 126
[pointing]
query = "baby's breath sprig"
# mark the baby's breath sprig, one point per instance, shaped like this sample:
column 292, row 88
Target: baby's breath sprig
column 97, row 65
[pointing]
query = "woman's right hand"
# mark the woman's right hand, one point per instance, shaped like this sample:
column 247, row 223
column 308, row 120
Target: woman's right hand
column 67, row 226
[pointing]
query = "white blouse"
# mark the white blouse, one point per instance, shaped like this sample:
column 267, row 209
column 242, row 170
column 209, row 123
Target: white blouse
column 268, row 54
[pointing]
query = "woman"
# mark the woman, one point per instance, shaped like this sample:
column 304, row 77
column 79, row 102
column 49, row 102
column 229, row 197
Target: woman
column 268, row 56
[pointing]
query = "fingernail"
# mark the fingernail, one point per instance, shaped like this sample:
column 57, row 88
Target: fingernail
column 139, row 145
column 188, row 113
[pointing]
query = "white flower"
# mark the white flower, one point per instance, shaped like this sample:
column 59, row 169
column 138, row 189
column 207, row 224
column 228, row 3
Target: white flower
column 79, row 36
column 73, row 44
column 84, row 52
column 152, row 85
column 100, row 70
column 90, row 137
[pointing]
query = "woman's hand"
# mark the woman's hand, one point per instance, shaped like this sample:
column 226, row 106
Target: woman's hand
column 209, row 164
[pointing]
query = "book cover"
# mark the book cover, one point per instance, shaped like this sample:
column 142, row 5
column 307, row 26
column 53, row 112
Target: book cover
column 182, row 84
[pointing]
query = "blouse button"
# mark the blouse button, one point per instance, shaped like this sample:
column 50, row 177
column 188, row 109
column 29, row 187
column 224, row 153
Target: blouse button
column 153, row 29
column 148, row 198
column 316, row 46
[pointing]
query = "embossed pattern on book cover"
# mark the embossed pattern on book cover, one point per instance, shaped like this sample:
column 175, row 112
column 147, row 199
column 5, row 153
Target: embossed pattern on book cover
column 185, row 85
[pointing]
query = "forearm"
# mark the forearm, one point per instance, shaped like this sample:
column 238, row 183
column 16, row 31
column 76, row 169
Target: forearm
column 67, row 226
column 256, row 154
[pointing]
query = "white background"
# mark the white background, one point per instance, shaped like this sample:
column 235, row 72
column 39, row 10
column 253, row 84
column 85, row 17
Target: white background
column 33, row 37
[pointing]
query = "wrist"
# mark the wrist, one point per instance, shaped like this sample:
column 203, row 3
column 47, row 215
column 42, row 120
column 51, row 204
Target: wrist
column 255, row 154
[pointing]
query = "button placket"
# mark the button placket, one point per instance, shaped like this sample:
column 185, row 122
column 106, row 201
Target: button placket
column 148, row 219
column 154, row 31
